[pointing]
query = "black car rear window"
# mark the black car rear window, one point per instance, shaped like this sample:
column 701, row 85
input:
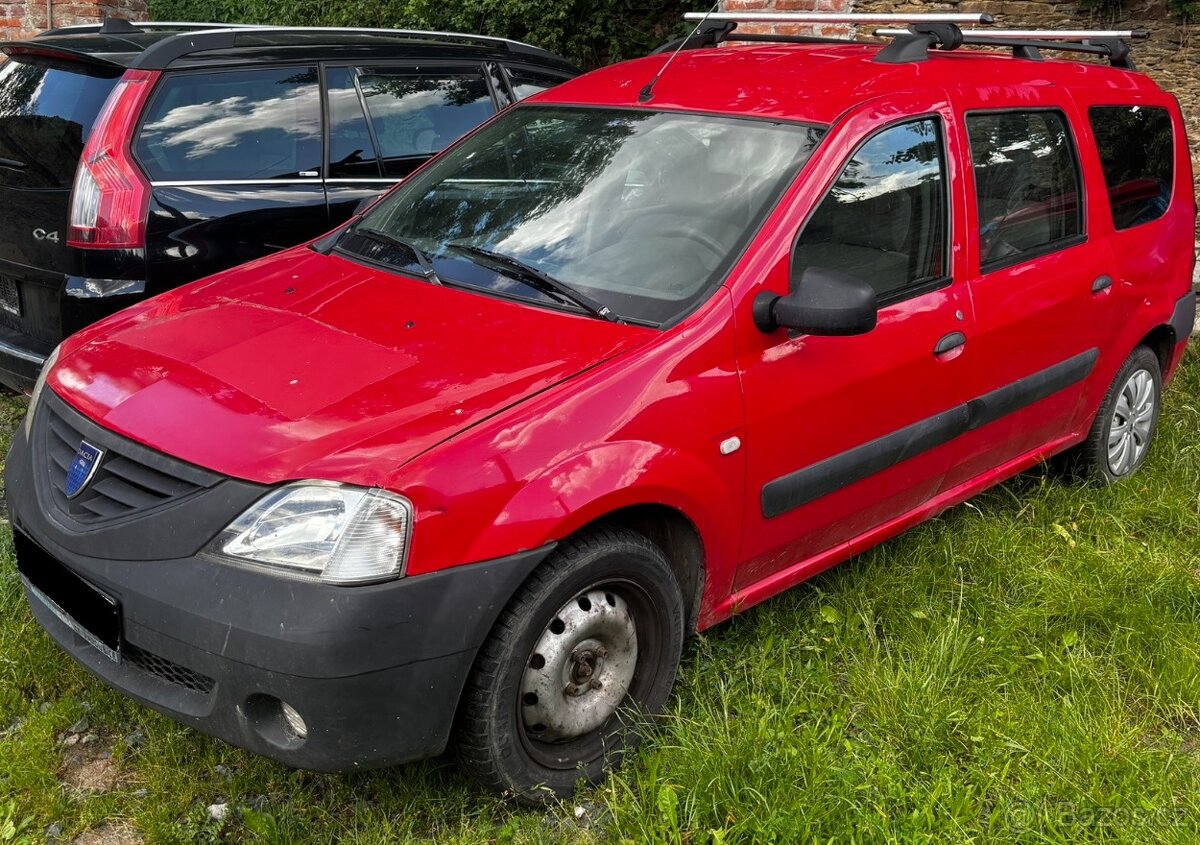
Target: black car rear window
column 47, row 109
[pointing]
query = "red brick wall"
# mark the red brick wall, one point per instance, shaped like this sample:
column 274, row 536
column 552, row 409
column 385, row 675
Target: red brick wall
column 25, row 18
column 791, row 6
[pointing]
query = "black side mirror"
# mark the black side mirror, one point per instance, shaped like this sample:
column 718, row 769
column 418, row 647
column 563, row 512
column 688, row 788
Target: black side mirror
column 825, row 302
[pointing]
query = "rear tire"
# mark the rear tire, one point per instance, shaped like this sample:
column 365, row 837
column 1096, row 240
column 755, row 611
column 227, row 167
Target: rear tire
column 584, row 652
column 1119, row 439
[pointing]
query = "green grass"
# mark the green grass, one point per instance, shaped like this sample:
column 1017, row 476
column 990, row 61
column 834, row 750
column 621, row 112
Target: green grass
column 1024, row 669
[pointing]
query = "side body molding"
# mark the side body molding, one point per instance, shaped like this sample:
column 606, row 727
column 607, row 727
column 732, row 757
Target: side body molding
column 832, row 474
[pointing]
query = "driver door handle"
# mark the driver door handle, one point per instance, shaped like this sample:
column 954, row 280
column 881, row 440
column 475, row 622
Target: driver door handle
column 949, row 343
column 1101, row 284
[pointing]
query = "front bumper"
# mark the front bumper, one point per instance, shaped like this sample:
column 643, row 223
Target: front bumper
column 375, row 671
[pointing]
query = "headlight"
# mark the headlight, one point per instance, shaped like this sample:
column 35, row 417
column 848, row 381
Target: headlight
column 342, row 535
column 38, row 387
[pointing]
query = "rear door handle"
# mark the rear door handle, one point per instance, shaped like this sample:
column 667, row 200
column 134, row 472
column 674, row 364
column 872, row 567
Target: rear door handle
column 1101, row 284
column 949, row 343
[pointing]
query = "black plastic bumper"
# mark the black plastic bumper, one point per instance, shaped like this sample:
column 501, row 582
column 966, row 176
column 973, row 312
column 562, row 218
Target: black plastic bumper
column 375, row 671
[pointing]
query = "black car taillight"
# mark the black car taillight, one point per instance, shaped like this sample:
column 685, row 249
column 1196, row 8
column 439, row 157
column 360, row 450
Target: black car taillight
column 111, row 197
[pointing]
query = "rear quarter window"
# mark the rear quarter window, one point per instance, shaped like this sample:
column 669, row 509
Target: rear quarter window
column 260, row 125
column 1136, row 148
column 47, row 109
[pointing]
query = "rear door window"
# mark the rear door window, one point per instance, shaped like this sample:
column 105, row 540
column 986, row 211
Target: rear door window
column 416, row 112
column 47, row 109
column 1137, row 153
column 1026, row 185
column 255, row 125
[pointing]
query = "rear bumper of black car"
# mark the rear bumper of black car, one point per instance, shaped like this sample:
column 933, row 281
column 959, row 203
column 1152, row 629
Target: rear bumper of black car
column 374, row 671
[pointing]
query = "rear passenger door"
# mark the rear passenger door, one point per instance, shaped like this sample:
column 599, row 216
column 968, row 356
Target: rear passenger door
column 234, row 160
column 386, row 120
column 1042, row 290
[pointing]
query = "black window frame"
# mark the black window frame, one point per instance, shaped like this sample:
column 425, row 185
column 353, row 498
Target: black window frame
column 1052, row 247
column 1094, row 107
column 169, row 75
column 922, row 286
column 507, row 69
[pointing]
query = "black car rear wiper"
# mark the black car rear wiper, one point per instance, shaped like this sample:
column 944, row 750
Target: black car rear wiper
column 12, row 163
column 423, row 260
column 542, row 281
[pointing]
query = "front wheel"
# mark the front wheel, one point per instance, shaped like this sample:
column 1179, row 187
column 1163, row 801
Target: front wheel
column 586, row 650
column 1119, row 439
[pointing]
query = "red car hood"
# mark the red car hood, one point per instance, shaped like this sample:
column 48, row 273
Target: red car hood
column 304, row 365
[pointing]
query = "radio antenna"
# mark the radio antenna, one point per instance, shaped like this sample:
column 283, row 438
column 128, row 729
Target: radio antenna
column 648, row 91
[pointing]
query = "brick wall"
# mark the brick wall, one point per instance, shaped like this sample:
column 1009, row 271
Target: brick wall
column 792, row 6
column 25, row 18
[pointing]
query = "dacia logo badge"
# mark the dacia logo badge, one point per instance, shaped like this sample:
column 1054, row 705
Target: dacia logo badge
column 83, row 467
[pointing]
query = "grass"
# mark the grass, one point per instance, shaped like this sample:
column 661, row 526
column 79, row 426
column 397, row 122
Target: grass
column 1024, row 669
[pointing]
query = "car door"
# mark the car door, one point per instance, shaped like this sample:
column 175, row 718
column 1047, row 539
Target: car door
column 386, row 120
column 234, row 160
column 1042, row 290
column 844, row 434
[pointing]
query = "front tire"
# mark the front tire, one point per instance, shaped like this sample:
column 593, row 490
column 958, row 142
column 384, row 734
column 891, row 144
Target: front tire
column 586, row 650
column 1119, row 440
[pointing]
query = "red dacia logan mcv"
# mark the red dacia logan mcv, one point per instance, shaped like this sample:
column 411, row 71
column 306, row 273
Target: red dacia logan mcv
column 635, row 355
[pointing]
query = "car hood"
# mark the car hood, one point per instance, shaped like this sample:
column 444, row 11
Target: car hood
column 306, row 365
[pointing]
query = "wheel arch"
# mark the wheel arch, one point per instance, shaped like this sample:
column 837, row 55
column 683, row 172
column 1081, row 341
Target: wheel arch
column 676, row 536
column 1161, row 341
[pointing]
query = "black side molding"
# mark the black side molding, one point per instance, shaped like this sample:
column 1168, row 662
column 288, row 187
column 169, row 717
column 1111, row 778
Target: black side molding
column 1184, row 318
column 832, row 474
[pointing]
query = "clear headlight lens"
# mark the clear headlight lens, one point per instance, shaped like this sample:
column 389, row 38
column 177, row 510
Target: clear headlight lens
column 38, row 387
column 342, row 535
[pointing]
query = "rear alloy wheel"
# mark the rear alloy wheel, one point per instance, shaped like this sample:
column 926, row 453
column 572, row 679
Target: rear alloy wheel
column 1120, row 437
column 584, row 653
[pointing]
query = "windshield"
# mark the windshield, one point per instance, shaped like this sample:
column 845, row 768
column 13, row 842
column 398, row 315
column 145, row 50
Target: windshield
column 641, row 212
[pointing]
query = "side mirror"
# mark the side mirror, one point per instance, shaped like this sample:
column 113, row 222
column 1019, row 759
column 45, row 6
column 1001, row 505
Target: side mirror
column 825, row 302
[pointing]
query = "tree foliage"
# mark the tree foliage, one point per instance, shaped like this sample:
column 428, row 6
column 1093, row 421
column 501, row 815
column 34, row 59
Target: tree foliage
column 589, row 32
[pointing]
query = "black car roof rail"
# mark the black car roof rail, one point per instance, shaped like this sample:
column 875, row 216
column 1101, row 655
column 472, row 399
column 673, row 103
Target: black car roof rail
column 160, row 55
column 138, row 26
column 921, row 33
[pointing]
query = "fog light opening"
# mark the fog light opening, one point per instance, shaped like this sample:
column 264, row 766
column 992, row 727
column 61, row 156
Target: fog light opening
column 294, row 721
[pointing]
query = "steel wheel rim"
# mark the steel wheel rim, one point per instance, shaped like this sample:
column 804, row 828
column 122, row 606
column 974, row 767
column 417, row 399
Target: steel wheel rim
column 1132, row 423
column 570, row 752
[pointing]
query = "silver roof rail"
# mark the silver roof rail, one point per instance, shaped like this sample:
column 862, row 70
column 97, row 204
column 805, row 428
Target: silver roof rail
column 1037, row 34
column 838, row 17
column 159, row 25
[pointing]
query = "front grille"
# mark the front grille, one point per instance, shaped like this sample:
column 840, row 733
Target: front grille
column 129, row 478
column 166, row 670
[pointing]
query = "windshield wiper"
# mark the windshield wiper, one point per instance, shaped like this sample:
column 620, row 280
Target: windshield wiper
column 542, row 281
column 12, row 163
column 423, row 260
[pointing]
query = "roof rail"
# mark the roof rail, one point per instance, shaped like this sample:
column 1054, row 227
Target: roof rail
column 922, row 33
column 839, row 17
column 150, row 26
column 914, row 43
column 158, row 56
